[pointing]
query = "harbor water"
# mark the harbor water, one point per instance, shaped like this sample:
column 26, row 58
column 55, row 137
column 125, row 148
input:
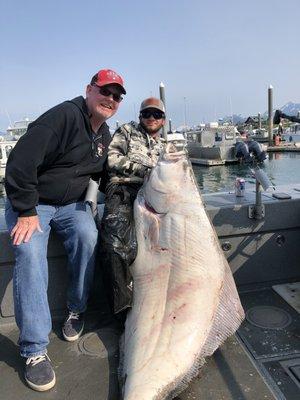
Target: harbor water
column 281, row 169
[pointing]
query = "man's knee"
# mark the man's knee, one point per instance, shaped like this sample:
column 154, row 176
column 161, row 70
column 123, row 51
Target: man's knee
column 87, row 233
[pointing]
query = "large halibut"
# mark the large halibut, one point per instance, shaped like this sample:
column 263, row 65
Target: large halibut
column 185, row 302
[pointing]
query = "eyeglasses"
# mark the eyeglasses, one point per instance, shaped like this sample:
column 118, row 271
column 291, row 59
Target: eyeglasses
column 106, row 92
column 155, row 114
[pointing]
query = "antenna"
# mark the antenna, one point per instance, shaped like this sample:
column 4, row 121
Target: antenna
column 231, row 113
column 9, row 120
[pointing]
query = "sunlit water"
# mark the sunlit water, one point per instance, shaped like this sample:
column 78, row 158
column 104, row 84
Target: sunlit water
column 281, row 168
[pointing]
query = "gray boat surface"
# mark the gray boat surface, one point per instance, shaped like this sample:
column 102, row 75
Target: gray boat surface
column 260, row 361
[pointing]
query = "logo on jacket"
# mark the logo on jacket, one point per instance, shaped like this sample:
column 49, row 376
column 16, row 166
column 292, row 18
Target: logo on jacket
column 99, row 149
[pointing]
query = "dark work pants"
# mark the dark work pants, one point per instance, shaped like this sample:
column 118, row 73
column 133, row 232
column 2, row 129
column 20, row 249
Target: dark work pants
column 118, row 245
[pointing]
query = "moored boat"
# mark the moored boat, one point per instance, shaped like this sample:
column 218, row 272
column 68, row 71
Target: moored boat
column 6, row 147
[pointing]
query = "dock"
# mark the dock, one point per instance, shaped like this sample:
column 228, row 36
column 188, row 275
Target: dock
column 211, row 162
column 284, row 148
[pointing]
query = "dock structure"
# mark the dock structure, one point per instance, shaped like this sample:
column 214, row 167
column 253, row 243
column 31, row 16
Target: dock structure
column 208, row 163
column 270, row 149
column 284, row 148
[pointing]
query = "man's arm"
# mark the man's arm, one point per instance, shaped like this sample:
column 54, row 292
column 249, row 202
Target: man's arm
column 118, row 161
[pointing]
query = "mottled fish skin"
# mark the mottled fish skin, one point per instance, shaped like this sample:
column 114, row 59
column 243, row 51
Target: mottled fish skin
column 185, row 301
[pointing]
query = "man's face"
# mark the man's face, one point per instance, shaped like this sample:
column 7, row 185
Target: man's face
column 103, row 102
column 152, row 120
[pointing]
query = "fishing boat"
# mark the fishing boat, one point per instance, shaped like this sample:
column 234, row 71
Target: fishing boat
column 7, row 142
column 260, row 236
column 212, row 145
column 292, row 133
column 259, row 135
column 18, row 128
column 6, row 147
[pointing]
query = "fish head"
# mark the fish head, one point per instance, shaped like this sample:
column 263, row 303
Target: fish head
column 164, row 188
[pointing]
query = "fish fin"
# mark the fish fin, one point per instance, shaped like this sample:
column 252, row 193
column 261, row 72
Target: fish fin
column 228, row 317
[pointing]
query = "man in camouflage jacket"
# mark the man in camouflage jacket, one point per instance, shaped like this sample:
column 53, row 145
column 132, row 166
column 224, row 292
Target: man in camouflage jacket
column 133, row 151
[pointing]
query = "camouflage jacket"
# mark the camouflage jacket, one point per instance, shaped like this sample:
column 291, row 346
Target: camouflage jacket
column 132, row 153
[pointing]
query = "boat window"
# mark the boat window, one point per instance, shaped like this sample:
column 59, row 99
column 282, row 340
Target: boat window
column 218, row 137
column 229, row 135
column 8, row 149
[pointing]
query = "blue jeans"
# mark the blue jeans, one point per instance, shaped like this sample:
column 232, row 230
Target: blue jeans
column 76, row 226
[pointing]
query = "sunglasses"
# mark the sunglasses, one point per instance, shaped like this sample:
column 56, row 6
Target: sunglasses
column 106, row 92
column 155, row 114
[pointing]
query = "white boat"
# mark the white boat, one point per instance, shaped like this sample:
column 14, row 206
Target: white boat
column 7, row 142
column 259, row 135
column 18, row 128
column 6, row 147
column 292, row 133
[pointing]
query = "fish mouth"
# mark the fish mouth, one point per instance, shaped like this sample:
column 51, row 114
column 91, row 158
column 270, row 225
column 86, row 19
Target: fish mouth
column 152, row 210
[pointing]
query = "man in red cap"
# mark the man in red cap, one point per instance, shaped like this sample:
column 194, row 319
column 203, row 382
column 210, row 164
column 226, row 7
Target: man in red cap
column 134, row 150
column 47, row 175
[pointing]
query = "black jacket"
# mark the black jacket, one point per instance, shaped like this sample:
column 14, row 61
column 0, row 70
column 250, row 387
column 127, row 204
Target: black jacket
column 54, row 160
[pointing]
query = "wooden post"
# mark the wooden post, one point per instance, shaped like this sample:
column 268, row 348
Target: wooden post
column 163, row 99
column 270, row 114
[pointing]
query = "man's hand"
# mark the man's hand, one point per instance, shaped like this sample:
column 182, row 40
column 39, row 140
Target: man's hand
column 24, row 229
column 145, row 161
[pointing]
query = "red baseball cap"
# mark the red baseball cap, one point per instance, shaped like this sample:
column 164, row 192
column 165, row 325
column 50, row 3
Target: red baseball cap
column 108, row 77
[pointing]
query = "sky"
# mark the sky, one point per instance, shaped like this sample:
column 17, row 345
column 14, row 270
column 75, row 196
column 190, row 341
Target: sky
column 215, row 57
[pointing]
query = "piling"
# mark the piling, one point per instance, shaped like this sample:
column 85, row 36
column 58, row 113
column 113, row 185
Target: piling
column 259, row 120
column 270, row 114
column 170, row 125
column 163, row 99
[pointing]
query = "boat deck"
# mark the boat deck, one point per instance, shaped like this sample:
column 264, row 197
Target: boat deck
column 262, row 361
column 87, row 370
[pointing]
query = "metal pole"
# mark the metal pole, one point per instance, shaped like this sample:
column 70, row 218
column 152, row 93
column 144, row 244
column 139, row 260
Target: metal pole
column 270, row 114
column 162, row 96
column 259, row 120
column 170, row 125
column 185, row 128
column 258, row 213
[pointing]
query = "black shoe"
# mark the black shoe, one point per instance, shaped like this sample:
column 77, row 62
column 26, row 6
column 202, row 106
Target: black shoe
column 73, row 326
column 39, row 373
